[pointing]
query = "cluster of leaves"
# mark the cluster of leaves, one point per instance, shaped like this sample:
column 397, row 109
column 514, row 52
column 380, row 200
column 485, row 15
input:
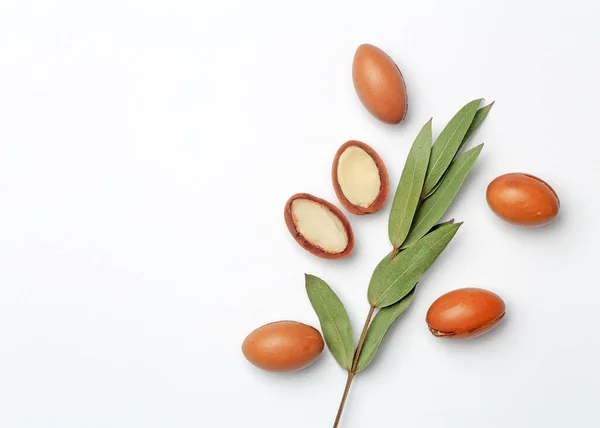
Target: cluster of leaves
column 432, row 176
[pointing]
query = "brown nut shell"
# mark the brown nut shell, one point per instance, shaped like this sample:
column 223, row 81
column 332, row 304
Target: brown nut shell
column 364, row 176
column 283, row 346
column 379, row 84
column 319, row 226
column 465, row 313
column 522, row 199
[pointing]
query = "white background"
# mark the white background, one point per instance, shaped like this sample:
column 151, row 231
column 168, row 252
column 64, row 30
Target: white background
column 146, row 152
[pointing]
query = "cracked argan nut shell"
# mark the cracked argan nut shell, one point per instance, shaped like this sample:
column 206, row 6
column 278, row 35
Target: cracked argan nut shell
column 379, row 84
column 283, row 346
column 523, row 199
column 360, row 179
column 318, row 226
column 465, row 313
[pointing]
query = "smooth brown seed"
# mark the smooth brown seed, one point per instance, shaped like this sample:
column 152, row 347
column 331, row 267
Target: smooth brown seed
column 465, row 313
column 523, row 199
column 379, row 84
column 283, row 346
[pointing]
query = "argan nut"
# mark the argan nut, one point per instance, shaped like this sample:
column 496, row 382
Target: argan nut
column 360, row 179
column 465, row 313
column 319, row 226
column 379, row 84
column 283, row 346
column 523, row 199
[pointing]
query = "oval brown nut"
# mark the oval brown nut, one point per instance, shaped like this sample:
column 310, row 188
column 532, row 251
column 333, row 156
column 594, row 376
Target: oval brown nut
column 319, row 226
column 379, row 84
column 465, row 313
column 523, row 199
column 360, row 179
column 283, row 346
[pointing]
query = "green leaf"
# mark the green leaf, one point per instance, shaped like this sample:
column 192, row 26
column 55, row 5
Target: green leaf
column 477, row 121
column 437, row 186
column 447, row 144
column 334, row 320
column 410, row 187
column 378, row 328
column 393, row 279
column 437, row 226
column 434, row 207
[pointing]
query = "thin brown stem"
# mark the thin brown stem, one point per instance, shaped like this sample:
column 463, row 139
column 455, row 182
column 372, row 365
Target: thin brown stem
column 361, row 341
column 352, row 371
column 338, row 417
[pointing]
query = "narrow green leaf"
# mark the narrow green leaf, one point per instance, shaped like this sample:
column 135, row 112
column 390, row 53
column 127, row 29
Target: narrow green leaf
column 379, row 327
column 393, row 279
column 432, row 191
column 434, row 207
column 410, row 187
column 334, row 320
column 437, row 226
column 447, row 144
column 477, row 121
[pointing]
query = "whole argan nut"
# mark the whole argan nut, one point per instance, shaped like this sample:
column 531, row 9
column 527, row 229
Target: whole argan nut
column 379, row 84
column 465, row 313
column 319, row 226
column 283, row 346
column 360, row 179
column 523, row 199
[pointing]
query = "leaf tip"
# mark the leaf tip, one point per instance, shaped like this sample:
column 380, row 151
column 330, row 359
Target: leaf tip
column 307, row 277
column 427, row 127
column 476, row 101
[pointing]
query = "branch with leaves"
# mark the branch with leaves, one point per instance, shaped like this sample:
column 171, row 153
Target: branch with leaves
column 432, row 177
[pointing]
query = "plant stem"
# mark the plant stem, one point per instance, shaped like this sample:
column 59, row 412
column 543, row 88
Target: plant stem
column 352, row 371
column 338, row 417
column 361, row 341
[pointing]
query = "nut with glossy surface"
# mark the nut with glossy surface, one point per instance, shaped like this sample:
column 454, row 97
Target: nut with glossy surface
column 465, row 313
column 319, row 226
column 379, row 84
column 523, row 199
column 283, row 346
column 359, row 177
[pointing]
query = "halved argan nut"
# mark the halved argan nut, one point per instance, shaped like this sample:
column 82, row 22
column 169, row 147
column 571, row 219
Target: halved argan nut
column 318, row 226
column 360, row 179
